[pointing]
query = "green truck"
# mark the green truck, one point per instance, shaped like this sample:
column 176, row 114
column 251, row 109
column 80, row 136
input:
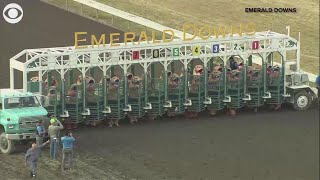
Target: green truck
column 19, row 114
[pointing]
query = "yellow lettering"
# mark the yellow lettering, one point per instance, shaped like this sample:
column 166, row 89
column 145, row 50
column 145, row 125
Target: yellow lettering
column 185, row 26
column 127, row 39
column 76, row 40
column 154, row 40
column 101, row 40
column 234, row 30
column 143, row 35
column 251, row 29
column 112, row 39
column 216, row 32
column 203, row 29
column 164, row 33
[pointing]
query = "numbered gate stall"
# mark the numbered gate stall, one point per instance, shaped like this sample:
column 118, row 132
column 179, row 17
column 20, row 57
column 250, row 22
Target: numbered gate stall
column 176, row 94
column 235, row 89
column 115, row 96
column 216, row 90
column 51, row 96
column 95, row 102
column 275, row 80
column 136, row 97
column 156, row 97
column 196, row 93
column 255, row 85
column 74, row 104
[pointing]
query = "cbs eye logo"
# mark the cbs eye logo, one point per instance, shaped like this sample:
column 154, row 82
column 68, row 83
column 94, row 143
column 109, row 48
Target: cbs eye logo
column 12, row 13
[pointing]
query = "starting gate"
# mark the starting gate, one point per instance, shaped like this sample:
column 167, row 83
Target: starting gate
column 152, row 96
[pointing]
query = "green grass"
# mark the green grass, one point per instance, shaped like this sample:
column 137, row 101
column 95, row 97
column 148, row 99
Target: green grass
column 175, row 13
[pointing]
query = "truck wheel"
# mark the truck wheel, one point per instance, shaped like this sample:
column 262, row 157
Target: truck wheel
column 6, row 146
column 302, row 101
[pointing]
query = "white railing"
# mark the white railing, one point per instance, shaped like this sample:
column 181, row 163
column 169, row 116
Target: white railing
column 144, row 22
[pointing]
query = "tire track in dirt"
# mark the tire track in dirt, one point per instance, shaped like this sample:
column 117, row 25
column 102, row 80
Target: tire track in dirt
column 13, row 167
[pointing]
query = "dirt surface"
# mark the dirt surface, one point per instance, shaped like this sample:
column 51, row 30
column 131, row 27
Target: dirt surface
column 263, row 146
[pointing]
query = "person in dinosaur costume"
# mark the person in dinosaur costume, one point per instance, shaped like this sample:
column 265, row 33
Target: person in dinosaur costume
column 34, row 79
column 54, row 82
column 233, row 77
column 174, row 81
column 274, row 72
column 134, row 86
column 113, row 90
column 194, row 88
column 213, row 82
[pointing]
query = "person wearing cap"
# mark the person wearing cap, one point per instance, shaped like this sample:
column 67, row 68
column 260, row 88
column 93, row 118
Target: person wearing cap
column 53, row 133
column 67, row 150
column 40, row 132
column 32, row 157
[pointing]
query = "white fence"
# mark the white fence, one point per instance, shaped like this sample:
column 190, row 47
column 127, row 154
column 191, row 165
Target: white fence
column 144, row 22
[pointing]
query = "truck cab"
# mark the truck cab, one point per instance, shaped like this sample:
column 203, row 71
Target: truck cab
column 19, row 114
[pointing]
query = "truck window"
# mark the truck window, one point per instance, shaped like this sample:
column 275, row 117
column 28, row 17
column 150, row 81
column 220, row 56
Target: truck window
column 21, row 102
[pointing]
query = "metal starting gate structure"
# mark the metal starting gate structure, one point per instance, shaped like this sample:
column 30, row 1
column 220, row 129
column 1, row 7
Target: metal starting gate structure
column 156, row 95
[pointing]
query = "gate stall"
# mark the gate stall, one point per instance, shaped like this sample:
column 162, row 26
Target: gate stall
column 216, row 85
column 255, row 83
column 156, row 91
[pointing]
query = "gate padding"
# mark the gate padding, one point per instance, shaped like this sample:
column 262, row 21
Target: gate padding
column 176, row 94
column 136, row 97
column 156, row 96
column 196, row 93
column 115, row 97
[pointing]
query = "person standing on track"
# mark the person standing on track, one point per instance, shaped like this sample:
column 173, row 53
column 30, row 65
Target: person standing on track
column 67, row 151
column 32, row 157
column 53, row 133
column 40, row 132
column 318, row 86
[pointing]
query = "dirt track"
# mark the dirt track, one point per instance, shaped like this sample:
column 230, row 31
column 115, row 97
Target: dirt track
column 264, row 146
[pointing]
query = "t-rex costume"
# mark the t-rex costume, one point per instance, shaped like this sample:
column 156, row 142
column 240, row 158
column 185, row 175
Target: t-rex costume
column 213, row 82
column 194, row 88
column 173, row 83
column 113, row 90
column 134, row 86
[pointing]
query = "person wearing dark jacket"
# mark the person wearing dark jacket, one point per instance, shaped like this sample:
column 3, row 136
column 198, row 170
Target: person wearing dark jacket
column 40, row 133
column 32, row 157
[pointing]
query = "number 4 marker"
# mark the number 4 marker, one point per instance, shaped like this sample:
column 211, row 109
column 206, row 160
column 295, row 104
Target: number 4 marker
column 196, row 50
